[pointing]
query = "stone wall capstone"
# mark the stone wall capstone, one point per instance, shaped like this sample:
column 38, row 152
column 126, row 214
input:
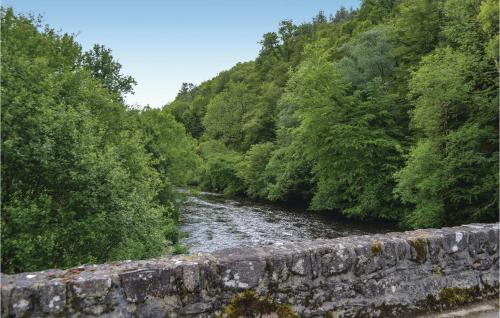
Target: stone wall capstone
column 389, row 275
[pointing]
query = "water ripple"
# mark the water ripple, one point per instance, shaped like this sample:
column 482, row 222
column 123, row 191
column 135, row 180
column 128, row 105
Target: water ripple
column 214, row 222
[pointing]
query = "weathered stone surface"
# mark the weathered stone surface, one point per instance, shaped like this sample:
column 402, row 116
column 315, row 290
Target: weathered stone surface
column 90, row 294
column 241, row 268
column 191, row 277
column 197, row 308
column 21, row 302
column 138, row 284
column 338, row 260
column 153, row 308
column 52, row 297
column 392, row 275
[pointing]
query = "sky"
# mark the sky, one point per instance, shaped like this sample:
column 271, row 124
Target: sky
column 165, row 43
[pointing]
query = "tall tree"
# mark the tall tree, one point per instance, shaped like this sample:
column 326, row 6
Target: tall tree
column 103, row 67
column 451, row 175
column 347, row 138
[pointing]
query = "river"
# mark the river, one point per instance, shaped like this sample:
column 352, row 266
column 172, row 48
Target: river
column 212, row 222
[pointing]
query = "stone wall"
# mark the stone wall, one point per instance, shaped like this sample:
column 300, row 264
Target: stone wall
column 396, row 274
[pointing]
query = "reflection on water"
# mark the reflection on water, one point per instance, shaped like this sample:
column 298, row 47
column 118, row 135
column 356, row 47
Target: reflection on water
column 214, row 222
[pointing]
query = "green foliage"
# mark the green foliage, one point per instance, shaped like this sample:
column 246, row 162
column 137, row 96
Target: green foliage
column 252, row 170
column 347, row 137
column 173, row 152
column 81, row 178
column 226, row 115
column 367, row 56
column 489, row 19
column 488, row 16
column 451, row 174
column 100, row 63
column 389, row 111
column 417, row 24
column 290, row 174
column 220, row 171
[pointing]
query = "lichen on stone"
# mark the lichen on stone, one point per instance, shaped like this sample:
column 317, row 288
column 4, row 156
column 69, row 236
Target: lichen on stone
column 249, row 304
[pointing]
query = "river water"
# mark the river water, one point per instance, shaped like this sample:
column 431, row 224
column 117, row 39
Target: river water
column 213, row 222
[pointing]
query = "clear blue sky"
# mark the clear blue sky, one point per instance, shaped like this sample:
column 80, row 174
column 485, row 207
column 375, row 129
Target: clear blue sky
column 164, row 43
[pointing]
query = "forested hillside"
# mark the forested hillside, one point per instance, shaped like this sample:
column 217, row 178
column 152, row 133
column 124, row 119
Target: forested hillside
column 389, row 111
column 386, row 112
column 85, row 179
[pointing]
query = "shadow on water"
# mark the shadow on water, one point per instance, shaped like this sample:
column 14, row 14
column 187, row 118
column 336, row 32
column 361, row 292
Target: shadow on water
column 214, row 222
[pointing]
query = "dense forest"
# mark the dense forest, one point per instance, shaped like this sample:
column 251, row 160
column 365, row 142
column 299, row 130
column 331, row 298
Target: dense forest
column 389, row 111
column 85, row 178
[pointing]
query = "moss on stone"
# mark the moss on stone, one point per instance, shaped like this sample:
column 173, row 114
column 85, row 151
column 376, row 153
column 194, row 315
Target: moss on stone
column 182, row 291
column 249, row 304
column 455, row 296
column 376, row 247
column 438, row 270
column 419, row 244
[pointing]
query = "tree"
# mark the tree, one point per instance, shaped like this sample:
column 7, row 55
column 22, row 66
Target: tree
column 226, row 115
column 348, row 139
column 418, row 25
column 488, row 17
column 326, row 107
column 289, row 174
column 368, row 56
column 173, row 152
column 320, row 18
column 103, row 67
column 78, row 185
column 451, row 173
column 252, row 169
column 269, row 43
column 220, row 172
column 342, row 14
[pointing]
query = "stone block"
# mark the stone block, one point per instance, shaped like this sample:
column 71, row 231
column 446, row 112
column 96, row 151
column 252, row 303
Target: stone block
column 52, row 297
column 339, row 260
